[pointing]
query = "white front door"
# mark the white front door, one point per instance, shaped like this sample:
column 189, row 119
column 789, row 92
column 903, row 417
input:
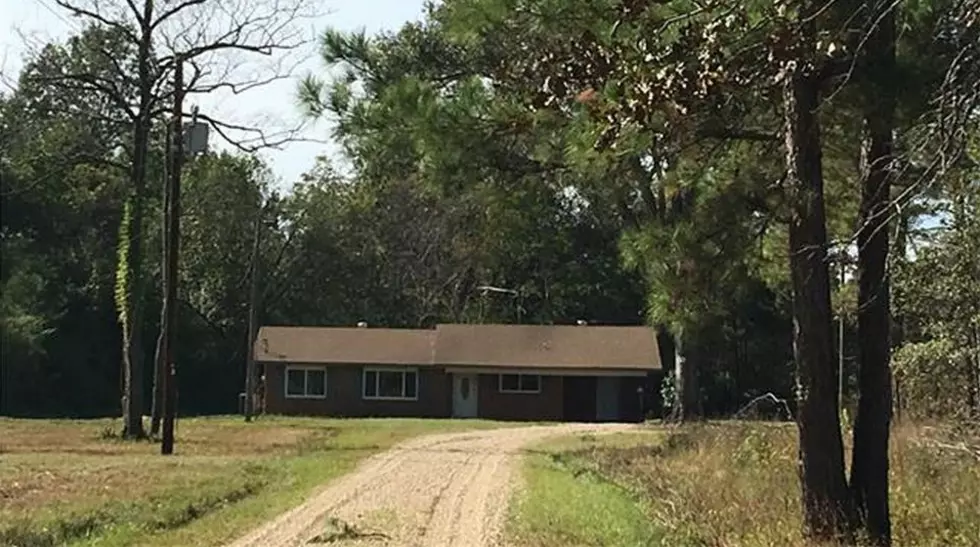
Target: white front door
column 464, row 395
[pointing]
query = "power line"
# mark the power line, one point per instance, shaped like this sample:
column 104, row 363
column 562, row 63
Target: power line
column 5, row 80
column 54, row 12
column 10, row 83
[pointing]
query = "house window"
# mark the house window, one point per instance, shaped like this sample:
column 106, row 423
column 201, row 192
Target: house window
column 391, row 383
column 306, row 383
column 520, row 383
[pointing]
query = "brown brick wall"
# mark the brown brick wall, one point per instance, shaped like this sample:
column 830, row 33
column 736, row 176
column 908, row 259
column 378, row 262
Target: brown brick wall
column 543, row 406
column 435, row 397
column 344, row 395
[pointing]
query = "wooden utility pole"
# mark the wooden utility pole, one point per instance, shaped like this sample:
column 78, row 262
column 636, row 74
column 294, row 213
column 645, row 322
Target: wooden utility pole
column 253, row 312
column 170, row 273
column 159, row 358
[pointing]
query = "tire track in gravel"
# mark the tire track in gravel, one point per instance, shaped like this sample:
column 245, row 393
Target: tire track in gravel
column 448, row 490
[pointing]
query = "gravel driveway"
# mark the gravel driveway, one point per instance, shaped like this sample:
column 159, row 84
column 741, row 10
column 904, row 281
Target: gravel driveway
column 434, row 491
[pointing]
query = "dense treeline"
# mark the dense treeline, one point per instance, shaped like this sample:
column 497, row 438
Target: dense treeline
column 392, row 251
column 392, row 245
column 456, row 187
column 747, row 177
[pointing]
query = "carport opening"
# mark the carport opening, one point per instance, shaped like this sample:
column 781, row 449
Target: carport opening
column 579, row 398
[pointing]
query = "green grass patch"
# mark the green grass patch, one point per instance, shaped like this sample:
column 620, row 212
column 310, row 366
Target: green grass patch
column 564, row 503
column 64, row 482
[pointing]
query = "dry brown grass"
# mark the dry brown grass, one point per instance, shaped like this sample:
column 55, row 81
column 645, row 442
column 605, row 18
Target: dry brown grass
column 71, row 482
column 48, row 464
column 197, row 437
column 735, row 484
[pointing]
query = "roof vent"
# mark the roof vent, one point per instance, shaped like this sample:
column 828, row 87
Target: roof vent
column 362, row 324
column 581, row 322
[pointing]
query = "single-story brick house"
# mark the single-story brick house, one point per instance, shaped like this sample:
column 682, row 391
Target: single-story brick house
column 504, row 372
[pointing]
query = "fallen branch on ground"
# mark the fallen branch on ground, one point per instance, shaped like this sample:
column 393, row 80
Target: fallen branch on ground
column 769, row 396
column 957, row 447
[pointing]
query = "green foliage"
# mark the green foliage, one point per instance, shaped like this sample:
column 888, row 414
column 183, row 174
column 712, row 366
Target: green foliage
column 61, row 198
column 426, row 131
column 611, row 161
column 122, row 286
column 23, row 328
column 938, row 298
column 696, row 260
column 935, row 380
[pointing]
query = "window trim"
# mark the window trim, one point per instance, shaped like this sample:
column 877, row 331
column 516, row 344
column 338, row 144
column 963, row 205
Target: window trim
column 306, row 369
column 377, row 383
column 518, row 391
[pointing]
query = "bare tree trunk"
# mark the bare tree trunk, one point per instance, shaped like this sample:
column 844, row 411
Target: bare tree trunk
column 132, row 349
column 869, row 463
column 973, row 361
column 253, row 310
column 826, row 499
column 687, row 392
column 668, row 357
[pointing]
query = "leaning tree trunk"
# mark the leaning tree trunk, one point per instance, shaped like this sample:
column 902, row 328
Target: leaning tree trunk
column 826, row 500
column 869, row 463
column 156, row 403
column 159, row 357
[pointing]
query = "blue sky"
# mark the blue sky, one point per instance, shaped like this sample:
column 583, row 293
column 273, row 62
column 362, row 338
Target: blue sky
column 25, row 24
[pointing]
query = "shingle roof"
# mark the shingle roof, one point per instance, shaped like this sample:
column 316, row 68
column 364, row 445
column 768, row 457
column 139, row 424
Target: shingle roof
column 547, row 346
column 344, row 345
column 517, row 346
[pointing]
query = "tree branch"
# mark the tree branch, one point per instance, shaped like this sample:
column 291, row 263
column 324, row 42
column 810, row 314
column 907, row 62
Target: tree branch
column 89, row 82
column 259, row 141
column 203, row 317
column 737, row 134
column 79, row 11
column 174, row 11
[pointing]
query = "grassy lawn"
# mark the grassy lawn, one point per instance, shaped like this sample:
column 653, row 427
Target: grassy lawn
column 67, row 482
column 563, row 503
column 729, row 484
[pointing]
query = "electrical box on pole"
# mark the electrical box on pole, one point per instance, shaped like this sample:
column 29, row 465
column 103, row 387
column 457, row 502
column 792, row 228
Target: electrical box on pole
column 196, row 136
